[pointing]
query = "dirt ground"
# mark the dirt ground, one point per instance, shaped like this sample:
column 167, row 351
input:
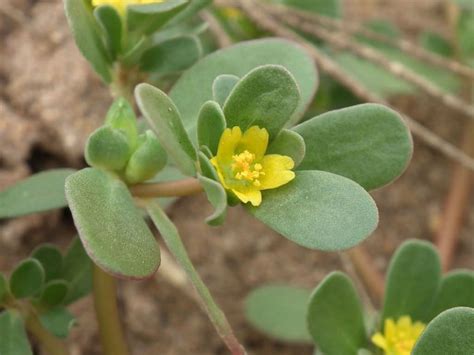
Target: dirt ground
column 50, row 101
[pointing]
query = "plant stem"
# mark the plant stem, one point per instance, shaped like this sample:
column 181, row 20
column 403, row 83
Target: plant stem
column 172, row 239
column 50, row 344
column 105, row 302
column 177, row 188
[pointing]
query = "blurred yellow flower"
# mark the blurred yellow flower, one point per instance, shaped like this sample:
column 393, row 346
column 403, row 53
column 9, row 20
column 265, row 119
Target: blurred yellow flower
column 399, row 338
column 243, row 167
column 121, row 5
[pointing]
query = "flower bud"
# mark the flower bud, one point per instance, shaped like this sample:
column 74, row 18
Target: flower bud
column 108, row 148
column 122, row 117
column 147, row 160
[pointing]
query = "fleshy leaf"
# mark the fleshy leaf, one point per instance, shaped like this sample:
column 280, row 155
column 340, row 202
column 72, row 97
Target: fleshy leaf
column 14, row 340
column 51, row 259
column 27, row 279
column 126, row 248
column 335, row 316
column 172, row 55
column 148, row 18
column 164, row 118
column 192, row 9
column 58, row 321
column 54, row 293
column 86, row 31
column 217, row 197
column 413, row 278
column 265, row 97
column 279, row 311
column 77, row 271
column 211, row 124
column 452, row 332
column 239, row 60
column 111, row 25
column 222, row 87
column 288, row 143
column 366, row 143
column 319, row 210
column 40, row 192
column 456, row 290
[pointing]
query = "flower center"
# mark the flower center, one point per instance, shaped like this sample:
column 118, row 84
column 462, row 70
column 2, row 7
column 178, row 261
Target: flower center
column 244, row 168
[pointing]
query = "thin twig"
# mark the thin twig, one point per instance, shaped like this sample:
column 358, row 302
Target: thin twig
column 222, row 38
column 404, row 45
column 338, row 40
column 458, row 197
column 336, row 71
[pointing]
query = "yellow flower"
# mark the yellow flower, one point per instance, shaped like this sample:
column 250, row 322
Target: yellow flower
column 243, row 167
column 398, row 338
column 121, row 5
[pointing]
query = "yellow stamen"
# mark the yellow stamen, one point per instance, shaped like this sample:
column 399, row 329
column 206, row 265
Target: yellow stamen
column 244, row 168
column 398, row 338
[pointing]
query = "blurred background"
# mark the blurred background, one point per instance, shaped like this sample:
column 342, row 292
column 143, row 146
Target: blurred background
column 416, row 55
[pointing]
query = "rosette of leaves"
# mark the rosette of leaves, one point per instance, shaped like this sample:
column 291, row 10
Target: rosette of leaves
column 39, row 289
column 332, row 316
column 143, row 39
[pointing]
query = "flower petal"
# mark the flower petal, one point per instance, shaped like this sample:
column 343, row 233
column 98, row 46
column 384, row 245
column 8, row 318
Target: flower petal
column 227, row 144
column 252, row 196
column 379, row 340
column 255, row 140
column 277, row 171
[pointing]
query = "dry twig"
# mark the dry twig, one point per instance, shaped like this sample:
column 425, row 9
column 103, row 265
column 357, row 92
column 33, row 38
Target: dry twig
column 404, row 45
column 340, row 41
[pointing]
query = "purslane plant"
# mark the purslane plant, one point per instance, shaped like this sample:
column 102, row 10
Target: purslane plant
column 128, row 41
column 36, row 297
column 229, row 130
column 423, row 312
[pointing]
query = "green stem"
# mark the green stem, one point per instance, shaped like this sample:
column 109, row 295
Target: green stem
column 105, row 302
column 50, row 344
column 172, row 239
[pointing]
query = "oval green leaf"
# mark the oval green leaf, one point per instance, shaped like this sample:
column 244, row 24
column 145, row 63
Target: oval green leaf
column 452, row 332
column 211, row 125
column 265, row 97
column 413, row 278
column 172, row 55
column 164, row 119
column 194, row 87
column 279, row 311
column 367, row 143
column 288, row 143
column 27, row 279
column 222, row 87
column 54, row 293
column 147, row 18
column 51, row 259
column 319, row 210
column 111, row 24
column 77, row 271
column 111, row 228
column 40, row 192
column 335, row 316
column 58, row 321
column 14, row 340
column 456, row 290
column 217, row 197
column 86, row 33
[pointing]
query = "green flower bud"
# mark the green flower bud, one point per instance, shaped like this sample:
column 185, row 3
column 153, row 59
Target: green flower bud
column 108, row 148
column 122, row 117
column 147, row 160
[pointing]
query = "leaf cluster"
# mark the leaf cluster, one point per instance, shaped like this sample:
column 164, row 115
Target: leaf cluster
column 333, row 318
